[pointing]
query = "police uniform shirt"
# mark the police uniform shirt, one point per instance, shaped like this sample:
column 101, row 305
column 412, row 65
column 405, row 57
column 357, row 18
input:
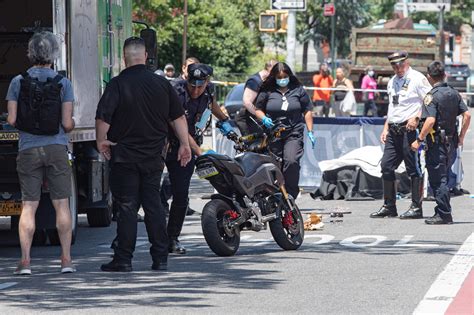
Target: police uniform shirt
column 193, row 108
column 291, row 105
column 138, row 105
column 406, row 95
column 444, row 103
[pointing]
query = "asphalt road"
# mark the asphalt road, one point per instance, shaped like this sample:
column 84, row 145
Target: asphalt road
column 356, row 266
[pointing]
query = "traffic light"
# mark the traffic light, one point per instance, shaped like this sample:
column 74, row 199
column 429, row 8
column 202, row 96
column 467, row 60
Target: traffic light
column 267, row 22
column 283, row 22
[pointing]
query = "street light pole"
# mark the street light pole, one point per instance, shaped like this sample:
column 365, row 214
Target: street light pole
column 185, row 32
column 333, row 41
column 441, row 33
column 291, row 40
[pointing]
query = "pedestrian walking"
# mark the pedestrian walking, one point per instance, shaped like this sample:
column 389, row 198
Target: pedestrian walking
column 343, row 85
column 131, row 130
column 369, row 83
column 441, row 107
column 42, row 147
column 245, row 119
column 406, row 90
column 321, row 98
column 198, row 102
column 283, row 97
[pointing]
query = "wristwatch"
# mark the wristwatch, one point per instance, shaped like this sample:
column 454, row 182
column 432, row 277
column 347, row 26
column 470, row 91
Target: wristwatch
column 419, row 140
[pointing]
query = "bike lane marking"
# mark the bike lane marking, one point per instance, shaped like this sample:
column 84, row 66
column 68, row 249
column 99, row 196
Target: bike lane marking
column 451, row 283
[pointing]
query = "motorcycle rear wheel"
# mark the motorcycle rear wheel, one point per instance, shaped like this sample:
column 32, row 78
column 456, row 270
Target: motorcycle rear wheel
column 288, row 236
column 220, row 239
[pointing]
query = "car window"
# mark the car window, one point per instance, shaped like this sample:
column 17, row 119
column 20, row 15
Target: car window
column 456, row 68
column 236, row 93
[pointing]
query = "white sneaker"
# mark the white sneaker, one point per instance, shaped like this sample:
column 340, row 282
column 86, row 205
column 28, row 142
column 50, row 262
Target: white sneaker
column 22, row 270
column 67, row 267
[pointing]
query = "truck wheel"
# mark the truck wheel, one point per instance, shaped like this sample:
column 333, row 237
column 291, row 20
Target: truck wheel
column 101, row 217
column 53, row 233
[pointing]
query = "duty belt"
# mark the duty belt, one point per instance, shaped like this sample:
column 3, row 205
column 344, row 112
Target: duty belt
column 398, row 128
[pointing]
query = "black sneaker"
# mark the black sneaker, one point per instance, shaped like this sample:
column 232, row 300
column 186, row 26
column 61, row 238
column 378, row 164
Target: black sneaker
column 190, row 211
column 115, row 266
column 437, row 219
column 175, row 247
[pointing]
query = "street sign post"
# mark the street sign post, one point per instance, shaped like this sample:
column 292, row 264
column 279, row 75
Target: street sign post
column 329, row 9
column 422, row 6
column 296, row 5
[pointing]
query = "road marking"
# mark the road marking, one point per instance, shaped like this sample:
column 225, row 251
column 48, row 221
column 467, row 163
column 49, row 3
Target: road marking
column 324, row 238
column 448, row 283
column 407, row 238
column 7, row 285
column 349, row 242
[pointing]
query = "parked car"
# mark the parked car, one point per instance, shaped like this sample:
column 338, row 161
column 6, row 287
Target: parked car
column 470, row 89
column 457, row 75
column 233, row 101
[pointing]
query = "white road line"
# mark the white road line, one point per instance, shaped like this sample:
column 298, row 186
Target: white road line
column 7, row 285
column 443, row 291
column 407, row 238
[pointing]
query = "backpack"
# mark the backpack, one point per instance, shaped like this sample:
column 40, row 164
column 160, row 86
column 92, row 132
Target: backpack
column 39, row 105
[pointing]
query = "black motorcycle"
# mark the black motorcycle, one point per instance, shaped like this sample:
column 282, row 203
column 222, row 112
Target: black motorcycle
column 251, row 192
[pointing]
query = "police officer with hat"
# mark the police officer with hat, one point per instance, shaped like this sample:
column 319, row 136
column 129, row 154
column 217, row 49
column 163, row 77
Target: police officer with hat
column 441, row 107
column 406, row 90
column 198, row 102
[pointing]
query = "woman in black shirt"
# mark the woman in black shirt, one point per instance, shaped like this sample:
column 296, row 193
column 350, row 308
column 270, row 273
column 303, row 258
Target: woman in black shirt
column 282, row 96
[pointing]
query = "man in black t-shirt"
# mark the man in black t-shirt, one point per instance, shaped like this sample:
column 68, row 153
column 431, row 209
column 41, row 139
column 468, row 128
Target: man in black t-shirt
column 131, row 130
column 245, row 119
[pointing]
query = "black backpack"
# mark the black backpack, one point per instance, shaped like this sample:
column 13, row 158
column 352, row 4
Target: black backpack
column 39, row 105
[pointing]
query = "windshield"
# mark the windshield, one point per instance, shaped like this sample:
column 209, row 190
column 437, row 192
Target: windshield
column 457, row 68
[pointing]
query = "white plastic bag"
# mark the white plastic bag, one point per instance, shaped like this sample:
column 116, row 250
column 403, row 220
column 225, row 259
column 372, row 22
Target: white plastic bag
column 348, row 104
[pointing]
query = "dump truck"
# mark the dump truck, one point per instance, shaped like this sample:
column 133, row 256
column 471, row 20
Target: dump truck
column 370, row 47
column 91, row 34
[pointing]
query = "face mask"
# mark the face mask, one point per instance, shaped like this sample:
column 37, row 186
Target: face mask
column 283, row 82
column 371, row 73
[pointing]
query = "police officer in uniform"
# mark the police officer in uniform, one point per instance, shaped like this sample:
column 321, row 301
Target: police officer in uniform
column 406, row 90
column 441, row 107
column 198, row 101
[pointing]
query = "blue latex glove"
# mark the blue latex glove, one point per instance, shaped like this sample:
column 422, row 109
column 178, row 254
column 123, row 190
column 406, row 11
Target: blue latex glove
column 210, row 152
column 312, row 138
column 225, row 128
column 267, row 122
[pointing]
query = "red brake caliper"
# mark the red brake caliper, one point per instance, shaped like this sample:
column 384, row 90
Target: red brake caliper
column 232, row 214
column 287, row 220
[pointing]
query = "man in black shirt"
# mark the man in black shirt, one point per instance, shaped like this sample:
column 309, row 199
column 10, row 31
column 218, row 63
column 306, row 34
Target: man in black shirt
column 131, row 130
column 246, row 119
column 441, row 107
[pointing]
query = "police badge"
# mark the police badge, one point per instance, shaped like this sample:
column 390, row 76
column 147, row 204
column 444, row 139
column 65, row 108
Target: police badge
column 428, row 99
column 197, row 73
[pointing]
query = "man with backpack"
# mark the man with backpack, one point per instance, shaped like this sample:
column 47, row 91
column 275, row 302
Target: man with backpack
column 40, row 106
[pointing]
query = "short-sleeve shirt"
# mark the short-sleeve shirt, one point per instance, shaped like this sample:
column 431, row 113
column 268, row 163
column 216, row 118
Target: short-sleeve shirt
column 28, row 140
column 323, row 82
column 406, row 95
column 138, row 105
column 369, row 83
column 193, row 108
column 444, row 103
column 254, row 82
column 291, row 105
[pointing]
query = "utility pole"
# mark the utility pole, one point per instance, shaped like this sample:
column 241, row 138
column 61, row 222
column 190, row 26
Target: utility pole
column 441, row 33
column 291, row 40
column 333, row 41
column 185, row 32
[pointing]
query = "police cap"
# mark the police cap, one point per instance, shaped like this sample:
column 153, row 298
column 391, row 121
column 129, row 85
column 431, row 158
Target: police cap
column 398, row 56
column 198, row 73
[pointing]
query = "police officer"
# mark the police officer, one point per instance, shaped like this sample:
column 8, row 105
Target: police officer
column 406, row 90
column 442, row 106
column 198, row 101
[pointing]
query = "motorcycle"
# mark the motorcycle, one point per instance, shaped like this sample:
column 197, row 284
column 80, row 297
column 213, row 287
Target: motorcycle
column 251, row 192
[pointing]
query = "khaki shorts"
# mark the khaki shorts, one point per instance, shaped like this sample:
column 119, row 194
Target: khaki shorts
column 50, row 161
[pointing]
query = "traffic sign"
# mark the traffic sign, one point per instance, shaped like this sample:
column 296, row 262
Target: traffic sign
column 297, row 5
column 425, row 7
column 329, row 9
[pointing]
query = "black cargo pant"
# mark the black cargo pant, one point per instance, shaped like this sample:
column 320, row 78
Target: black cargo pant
column 134, row 185
column 438, row 159
column 180, row 179
column 398, row 149
column 290, row 149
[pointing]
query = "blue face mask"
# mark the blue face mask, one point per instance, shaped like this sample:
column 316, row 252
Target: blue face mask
column 283, row 82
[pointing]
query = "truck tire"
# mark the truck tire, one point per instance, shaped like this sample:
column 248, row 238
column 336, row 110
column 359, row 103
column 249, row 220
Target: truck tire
column 101, row 217
column 53, row 233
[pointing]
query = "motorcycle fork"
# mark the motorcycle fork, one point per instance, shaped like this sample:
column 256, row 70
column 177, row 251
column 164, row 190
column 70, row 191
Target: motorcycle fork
column 288, row 201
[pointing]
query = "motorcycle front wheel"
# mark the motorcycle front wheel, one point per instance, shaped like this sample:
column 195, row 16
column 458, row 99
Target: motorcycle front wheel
column 220, row 237
column 288, row 228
